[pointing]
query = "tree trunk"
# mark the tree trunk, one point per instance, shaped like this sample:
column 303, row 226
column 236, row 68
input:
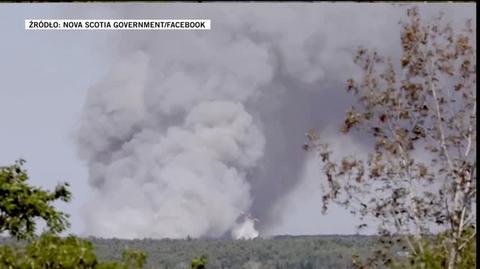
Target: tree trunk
column 452, row 257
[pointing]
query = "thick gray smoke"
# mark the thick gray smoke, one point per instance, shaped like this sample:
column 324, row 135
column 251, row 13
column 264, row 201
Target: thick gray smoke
column 189, row 129
column 178, row 178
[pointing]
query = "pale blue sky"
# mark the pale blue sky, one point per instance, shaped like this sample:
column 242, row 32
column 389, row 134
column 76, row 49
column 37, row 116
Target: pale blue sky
column 44, row 78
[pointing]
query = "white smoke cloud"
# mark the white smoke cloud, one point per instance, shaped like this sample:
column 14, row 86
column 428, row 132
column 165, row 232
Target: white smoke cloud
column 174, row 135
column 245, row 228
column 190, row 181
column 169, row 142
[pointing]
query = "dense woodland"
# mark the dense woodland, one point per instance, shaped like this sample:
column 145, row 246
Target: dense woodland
column 289, row 252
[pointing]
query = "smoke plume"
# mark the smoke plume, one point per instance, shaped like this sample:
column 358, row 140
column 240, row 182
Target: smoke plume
column 188, row 129
column 245, row 228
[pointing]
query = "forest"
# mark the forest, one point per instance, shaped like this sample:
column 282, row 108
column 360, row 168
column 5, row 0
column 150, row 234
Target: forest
column 280, row 252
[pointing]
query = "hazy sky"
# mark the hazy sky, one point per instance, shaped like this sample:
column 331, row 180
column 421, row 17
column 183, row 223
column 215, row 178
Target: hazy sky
column 72, row 99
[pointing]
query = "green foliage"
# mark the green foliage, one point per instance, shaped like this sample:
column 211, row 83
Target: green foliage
column 134, row 259
column 52, row 251
column 21, row 204
column 284, row 252
column 435, row 254
column 49, row 251
column 199, row 263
